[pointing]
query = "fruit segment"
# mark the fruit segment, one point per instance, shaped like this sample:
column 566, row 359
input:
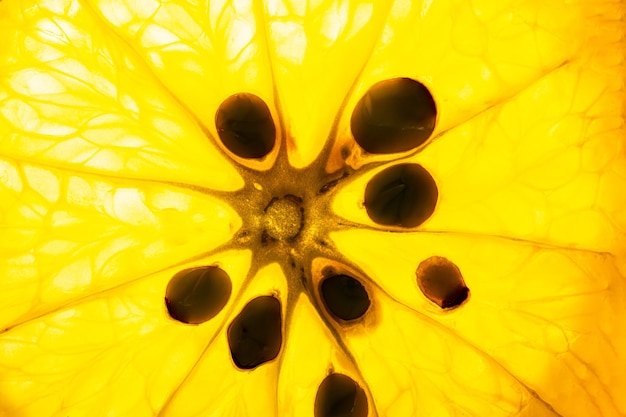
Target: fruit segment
column 433, row 372
column 543, row 166
column 215, row 386
column 116, row 349
column 311, row 354
column 66, row 235
column 202, row 52
column 74, row 96
column 472, row 55
column 549, row 316
column 317, row 50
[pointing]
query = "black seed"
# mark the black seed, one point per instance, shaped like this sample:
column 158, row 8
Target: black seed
column 441, row 282
column 340, row 396
column 394, row 116
column 255, row 335
column 344, row 297
column 403, row 195
column 196, row 295
column 245, row 126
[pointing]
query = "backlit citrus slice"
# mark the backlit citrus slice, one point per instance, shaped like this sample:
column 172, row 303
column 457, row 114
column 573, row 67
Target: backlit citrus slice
column 364, row 208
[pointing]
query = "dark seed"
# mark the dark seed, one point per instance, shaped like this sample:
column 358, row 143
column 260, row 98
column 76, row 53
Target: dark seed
column 255, row 335
column 344, row 297
column 197, row 295
column 340, row 396
column 441, row 282
column 403, row 195
column 394, row 115
column 245, row 126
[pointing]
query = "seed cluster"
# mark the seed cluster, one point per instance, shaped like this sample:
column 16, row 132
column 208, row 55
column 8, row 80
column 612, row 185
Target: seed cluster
column 287, row 219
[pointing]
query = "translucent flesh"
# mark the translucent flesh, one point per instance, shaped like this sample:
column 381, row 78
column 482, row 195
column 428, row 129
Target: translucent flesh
column 107, row 163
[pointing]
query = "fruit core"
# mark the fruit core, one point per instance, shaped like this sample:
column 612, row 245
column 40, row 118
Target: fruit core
column 283, row 217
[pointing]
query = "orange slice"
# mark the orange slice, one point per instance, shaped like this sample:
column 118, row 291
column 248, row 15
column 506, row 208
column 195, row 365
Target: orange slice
column 114, row 178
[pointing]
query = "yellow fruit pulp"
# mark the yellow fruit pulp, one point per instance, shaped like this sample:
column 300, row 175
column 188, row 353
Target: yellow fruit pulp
column 107, row 157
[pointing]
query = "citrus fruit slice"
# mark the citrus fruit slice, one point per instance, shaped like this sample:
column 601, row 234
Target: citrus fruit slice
column 312, row 208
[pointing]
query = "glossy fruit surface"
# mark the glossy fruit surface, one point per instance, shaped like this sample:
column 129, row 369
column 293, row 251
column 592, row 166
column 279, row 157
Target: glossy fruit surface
column 322, row 162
